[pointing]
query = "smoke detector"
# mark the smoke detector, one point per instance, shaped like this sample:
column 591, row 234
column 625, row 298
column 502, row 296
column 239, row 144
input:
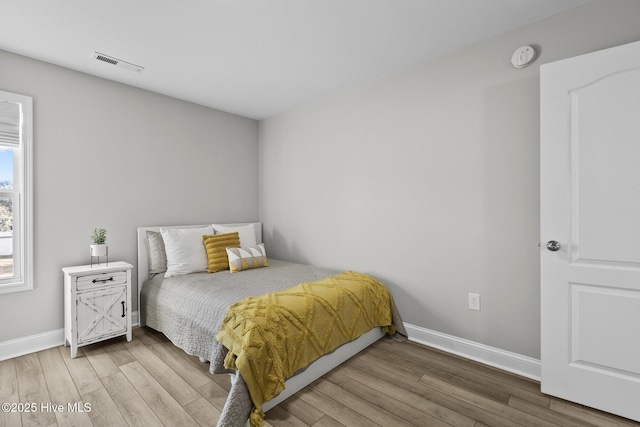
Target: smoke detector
column 523, row 56
column 117, row 62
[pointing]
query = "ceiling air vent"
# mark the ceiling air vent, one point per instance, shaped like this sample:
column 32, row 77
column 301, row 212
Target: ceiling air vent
column 117, row 62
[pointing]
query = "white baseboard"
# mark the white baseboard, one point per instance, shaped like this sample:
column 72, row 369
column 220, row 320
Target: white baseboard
column 21, row 346
column 501, row 359
column 38, row 342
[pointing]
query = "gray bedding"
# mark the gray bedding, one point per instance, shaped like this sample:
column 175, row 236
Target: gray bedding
column 189, row 310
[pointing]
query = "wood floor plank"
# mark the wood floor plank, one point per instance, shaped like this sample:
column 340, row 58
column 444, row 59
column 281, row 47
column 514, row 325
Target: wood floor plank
column 400, row 369
column 119, row 353
column 178, row 388
column 302, row 410
column 482, row 385
column 485, row 385
column 590, row 415
column 327, row 421
column 146, row 336
column 158, row 335
column 8, row 378
column 203, row 412
column 484, row 371
column 517, row 417
column 83, row 374
column 11, row 418
column 193, row 360
column 132, row 406
column 215, row 394
column 444, row 406
column 374, row 411
column 100, row 360
column 405, row 390
column 61, row 387
column 481, row 375
column 455, row 363
column 386, row 401
column 223, row 380
column 480, row 414
column 192, row 375
column 338, row 411
column 158, row 399
column 279, row 417
column 104, row 411
column 546, row 414
column 62, row 390
column 32, row 388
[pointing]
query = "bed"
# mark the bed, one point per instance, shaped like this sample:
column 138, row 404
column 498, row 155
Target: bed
column 189, row 308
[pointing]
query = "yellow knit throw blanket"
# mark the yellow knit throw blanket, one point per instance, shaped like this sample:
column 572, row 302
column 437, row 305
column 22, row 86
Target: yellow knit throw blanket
column 272, row 336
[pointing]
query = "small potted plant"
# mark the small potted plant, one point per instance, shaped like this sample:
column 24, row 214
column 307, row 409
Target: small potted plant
column 99, row 239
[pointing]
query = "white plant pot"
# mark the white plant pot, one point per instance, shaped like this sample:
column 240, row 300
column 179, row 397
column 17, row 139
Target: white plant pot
column 99, row 250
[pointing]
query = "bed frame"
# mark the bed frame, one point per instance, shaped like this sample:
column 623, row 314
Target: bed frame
column 293, row 384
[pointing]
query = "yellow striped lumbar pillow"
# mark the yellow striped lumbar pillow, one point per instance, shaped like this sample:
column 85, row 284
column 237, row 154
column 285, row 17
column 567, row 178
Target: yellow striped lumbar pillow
column 247, row 258
column 216, row 246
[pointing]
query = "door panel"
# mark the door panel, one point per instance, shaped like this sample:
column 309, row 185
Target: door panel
column 590, row 203
column 599, row 319
column 605, row 130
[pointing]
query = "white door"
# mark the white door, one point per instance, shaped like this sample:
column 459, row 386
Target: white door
column 590, row 205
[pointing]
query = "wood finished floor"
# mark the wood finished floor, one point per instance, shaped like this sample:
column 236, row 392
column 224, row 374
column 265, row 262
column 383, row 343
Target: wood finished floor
column 150, row 382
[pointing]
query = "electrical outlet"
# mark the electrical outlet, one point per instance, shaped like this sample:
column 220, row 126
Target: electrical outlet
column 474, row 302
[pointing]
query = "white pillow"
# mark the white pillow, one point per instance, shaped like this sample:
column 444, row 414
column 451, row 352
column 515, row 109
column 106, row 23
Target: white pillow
column 185, row 250
column 247, row 233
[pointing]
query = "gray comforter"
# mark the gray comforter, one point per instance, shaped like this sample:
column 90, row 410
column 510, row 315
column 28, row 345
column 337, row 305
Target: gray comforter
column 189, row 310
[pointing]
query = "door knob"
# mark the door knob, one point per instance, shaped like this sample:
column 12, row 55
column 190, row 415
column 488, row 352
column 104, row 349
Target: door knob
column 553, row 246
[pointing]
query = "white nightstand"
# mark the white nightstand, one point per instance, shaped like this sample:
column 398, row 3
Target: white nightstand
column 97, row 303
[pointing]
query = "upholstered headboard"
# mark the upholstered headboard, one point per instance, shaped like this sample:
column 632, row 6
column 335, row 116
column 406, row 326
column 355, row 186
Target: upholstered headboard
column 143, row 247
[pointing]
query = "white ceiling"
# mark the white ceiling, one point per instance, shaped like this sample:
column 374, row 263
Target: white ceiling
column 255, row 58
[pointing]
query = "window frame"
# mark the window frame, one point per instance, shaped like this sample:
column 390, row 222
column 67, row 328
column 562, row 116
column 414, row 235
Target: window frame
column 22, row 194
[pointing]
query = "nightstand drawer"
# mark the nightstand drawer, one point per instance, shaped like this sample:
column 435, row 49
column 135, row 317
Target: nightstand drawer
column 101, row 279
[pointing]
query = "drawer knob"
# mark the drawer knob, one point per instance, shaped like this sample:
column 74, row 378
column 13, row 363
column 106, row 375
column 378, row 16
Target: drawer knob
column 110, row 279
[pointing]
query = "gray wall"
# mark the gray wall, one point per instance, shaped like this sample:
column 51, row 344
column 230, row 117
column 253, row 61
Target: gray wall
column 429, row 179
column 109, row 155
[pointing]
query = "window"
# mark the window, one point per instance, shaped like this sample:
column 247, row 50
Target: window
column 16, row 224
